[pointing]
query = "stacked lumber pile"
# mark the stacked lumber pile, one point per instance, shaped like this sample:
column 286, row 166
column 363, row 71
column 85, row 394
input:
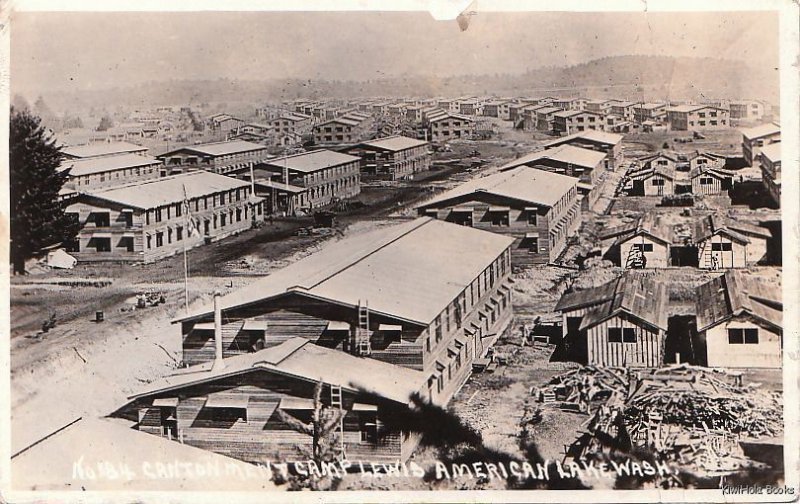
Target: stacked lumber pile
column 691, row 415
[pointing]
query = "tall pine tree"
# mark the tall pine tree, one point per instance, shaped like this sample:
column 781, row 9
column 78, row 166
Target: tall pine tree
column 37, row 216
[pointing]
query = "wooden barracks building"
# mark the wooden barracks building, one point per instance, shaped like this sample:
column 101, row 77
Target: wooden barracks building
column 620, row 323
column 378, row 296
column 147, row 221
column 234, row 407
column 315, row 179
column 584, row 164
column 215, row 157
column 539, row 209
column 392, row 158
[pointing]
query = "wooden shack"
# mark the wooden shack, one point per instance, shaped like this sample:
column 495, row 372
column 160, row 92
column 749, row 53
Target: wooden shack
column 740, row 319
column 621, row 323
column 720, row 246
column 644, row 243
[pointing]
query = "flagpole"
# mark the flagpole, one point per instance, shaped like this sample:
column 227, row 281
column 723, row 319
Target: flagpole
column 189, row 234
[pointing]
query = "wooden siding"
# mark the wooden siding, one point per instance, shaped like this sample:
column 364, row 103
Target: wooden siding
column 715, row 187
column 554, row 226
column 658, row 258
column 646, row 352
column 735, row 258
column 295, row 315
column 720, row 353
column 143, row 224
column 263, row 437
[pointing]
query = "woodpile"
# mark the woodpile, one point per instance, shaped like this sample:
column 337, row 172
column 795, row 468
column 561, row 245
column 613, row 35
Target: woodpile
column 691, row 415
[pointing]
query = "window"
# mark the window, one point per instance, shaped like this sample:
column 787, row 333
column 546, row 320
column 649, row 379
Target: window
column 228, row 415
column 178, row 209
column 722, row 247
column 149, row 241
column 158, row 215
column 438, row 327
column 101, row 244
column 739, row 336
column 159, row 239
column 658, row 182
column 499, row 218
column 706, row 181
column 532, row 218
column 102, row 219
column 621, row 335
column 368, row 426
column 644, row 247
column 533, row 245
column 179, row 233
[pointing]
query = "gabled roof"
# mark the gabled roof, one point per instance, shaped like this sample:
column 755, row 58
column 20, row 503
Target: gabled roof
column 657, row 155
column 649, row 224
column 623, row 104
column 594, row 136
column 88, row 166
column 650, row 106
column 168, row 190
column 734, row 294
column 410, row 271
column 395, row 143
column 300, row 358
column 308, row 162
column 711, row 171
column 448, row 115
column 708, row 226
column 524, row 184
column 646, row 172
column 217, row 148
column 548, row 110
column 772, row 152
column 761, row 131
column 692, row 108
column 564, row 153
column 102, row 149
column 640, row 298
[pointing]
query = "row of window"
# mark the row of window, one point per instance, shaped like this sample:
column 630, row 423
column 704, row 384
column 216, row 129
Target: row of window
column 115, row 174
column 177, row 209
column 455, row 312
column 454, row 353
column 220, row 220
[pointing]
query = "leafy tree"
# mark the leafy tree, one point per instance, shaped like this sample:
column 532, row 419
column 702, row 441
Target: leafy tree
column 20, row 103
column 72, row 122
column 105, row 123
column 43, row 110
column 37, row 216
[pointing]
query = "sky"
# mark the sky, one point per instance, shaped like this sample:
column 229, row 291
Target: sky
column 70, row 51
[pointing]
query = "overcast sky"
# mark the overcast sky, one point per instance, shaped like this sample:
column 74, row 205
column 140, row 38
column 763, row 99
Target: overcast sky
column 63, row 51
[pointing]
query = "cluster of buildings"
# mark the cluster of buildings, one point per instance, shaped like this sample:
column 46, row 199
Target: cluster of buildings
column 380, row 324
column 738, row 321
column 761, row 147
column 133, row 207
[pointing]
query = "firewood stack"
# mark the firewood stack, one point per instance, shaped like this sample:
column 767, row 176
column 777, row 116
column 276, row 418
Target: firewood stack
column 691, row 415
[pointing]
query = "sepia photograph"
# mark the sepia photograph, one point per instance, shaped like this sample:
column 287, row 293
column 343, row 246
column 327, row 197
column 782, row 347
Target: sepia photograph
column 433, row 251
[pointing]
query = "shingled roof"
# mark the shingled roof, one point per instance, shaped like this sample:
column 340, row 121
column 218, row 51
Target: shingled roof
column 734, row 294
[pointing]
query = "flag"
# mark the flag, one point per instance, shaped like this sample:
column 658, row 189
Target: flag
column 191, row 223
